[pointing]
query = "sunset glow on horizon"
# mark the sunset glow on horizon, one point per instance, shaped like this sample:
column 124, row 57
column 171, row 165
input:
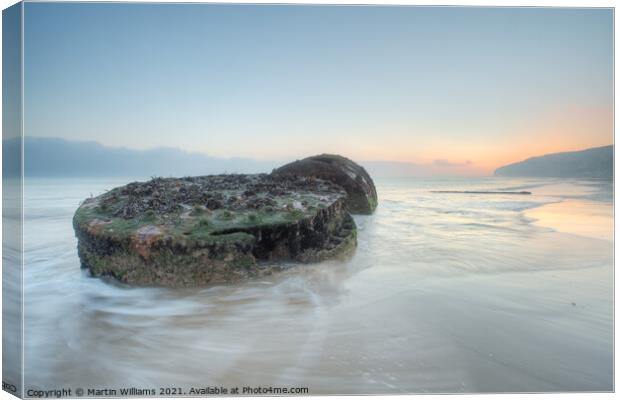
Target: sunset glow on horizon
column 459, row 90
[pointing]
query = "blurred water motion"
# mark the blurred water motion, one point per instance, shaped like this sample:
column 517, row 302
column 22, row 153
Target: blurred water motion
column 458, row 293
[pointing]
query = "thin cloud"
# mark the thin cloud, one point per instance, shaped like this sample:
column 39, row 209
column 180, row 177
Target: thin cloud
column 447, row 163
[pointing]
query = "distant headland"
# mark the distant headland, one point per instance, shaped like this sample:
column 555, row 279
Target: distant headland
column 596, row 162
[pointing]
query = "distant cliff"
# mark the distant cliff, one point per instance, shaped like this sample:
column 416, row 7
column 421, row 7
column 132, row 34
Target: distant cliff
column 597, row 162
column 57, row 157
column 47, row 157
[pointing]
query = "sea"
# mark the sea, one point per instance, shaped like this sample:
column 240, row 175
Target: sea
column 445, row 293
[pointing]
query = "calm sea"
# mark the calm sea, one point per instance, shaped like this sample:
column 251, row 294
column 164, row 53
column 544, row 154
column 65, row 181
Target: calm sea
column 445, row 293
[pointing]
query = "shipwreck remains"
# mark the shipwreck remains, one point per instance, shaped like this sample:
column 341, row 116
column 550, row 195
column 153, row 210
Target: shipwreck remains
column 192, row 231
column 353, row 178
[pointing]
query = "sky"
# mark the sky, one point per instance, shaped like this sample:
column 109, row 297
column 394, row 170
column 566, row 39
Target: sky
column 465, row 90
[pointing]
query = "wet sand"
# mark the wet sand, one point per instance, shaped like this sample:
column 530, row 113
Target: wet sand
column 579, row 217
column 444, row 294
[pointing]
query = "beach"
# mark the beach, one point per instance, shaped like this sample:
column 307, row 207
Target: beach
column 446, row 292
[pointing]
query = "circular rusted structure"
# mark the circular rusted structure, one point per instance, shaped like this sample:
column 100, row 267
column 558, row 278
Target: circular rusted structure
column 352, row 177
column 193, row 231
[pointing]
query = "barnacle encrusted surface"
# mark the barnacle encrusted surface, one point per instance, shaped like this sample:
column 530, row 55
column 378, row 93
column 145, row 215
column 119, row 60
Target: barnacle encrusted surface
column 352, row 177
column 218, row 228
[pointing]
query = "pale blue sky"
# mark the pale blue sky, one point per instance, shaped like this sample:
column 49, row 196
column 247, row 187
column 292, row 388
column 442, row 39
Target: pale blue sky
column 394, row 83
